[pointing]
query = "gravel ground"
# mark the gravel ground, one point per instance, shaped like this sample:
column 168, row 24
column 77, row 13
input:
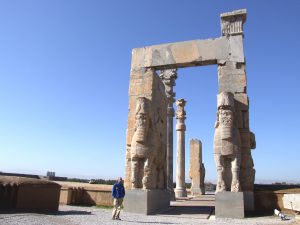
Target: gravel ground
column 75, row 215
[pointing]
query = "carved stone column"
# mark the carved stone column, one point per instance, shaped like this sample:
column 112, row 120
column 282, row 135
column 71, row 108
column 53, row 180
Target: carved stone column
column 168, row 77
column 180, row 190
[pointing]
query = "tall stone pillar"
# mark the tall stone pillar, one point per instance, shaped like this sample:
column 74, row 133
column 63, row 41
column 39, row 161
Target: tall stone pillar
column 180, row 190
column 168, row 77
column 232, row 134
column 232, row 78
column 146, row 140
column 197, row 169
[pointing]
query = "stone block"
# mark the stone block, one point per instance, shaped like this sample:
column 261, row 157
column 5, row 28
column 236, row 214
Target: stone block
column 185, row 51
column 291, row 201
column 197, row 169
column 243, row 119
column 249, row 201
column 241, row 101
column 182, row 54
column 229, row 205
column 231, row 67
column 232, row 83
column 245, row 140
column 231, row 78
column 65, row 196
column 246, row 119
column 235, row 14
column 236, row 48
column 28, row 194
column 240, row 119
column 146, row 201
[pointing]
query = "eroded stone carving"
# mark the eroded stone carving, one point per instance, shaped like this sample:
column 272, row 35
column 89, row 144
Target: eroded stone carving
column 232, row 22
column 252, row 140
column 197, row 169
column 168, row 77
column 147, row 169
column 227, row 145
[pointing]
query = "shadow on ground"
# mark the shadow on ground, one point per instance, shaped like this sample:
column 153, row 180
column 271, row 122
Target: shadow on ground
column 179, row 210
column 58, row 213
column 136, row 221
column 72, row 212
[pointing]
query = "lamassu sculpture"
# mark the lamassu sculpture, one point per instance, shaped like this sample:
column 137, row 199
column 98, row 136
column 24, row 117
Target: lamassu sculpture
column 227, row 145
column 147, row 168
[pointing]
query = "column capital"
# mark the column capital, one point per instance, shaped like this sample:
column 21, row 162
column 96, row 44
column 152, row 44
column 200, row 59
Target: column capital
column 168, row 76
column 180, row 115
column 232, row 22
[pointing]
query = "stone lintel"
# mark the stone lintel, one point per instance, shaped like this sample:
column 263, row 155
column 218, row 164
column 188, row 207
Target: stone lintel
column 184, row 54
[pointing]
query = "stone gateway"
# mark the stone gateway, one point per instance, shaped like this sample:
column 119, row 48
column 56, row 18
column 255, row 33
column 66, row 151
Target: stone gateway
column 149, row 151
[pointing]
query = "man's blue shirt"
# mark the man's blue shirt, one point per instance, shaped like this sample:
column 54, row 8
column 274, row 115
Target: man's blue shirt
column 118, row 190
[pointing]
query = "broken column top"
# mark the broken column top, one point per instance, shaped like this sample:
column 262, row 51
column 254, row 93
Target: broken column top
column 195, row 140
column 180, row 102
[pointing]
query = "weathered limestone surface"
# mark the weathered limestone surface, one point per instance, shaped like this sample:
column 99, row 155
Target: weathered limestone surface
column 229, row 205
column 180, row 190
column 234, row 144
column 227, row 145
column 28, row 194
column 168, row 77
column 146, row 201
column 184, row 54
column 232, row 78
column 232, row 22
column 197, row 169
column 146, row 133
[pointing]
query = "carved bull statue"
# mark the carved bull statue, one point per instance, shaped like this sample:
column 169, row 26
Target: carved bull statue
column 147, row 168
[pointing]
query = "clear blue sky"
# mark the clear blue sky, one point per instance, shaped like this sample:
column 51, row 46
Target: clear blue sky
column 64, row 77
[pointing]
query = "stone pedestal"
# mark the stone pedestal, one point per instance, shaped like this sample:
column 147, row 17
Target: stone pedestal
column 249, row 201
column 180, row 192
column 229, row 205
column 146, row 201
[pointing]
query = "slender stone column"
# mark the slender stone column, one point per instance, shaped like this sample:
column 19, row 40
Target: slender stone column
column 168, row 77
column 180, row 190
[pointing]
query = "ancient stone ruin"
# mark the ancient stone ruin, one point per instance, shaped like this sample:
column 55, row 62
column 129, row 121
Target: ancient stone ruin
column 28, row 194
column 227, row 145
column 149, row 137
column 180, row 190
column 197, row 169
column 147, row 165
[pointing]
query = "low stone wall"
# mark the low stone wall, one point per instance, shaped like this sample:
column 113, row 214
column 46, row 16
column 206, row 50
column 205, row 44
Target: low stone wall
column 270, row 197
column 73, row 193
column 28, row 194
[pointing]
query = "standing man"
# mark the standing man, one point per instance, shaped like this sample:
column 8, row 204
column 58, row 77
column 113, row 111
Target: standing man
column 118, row 193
